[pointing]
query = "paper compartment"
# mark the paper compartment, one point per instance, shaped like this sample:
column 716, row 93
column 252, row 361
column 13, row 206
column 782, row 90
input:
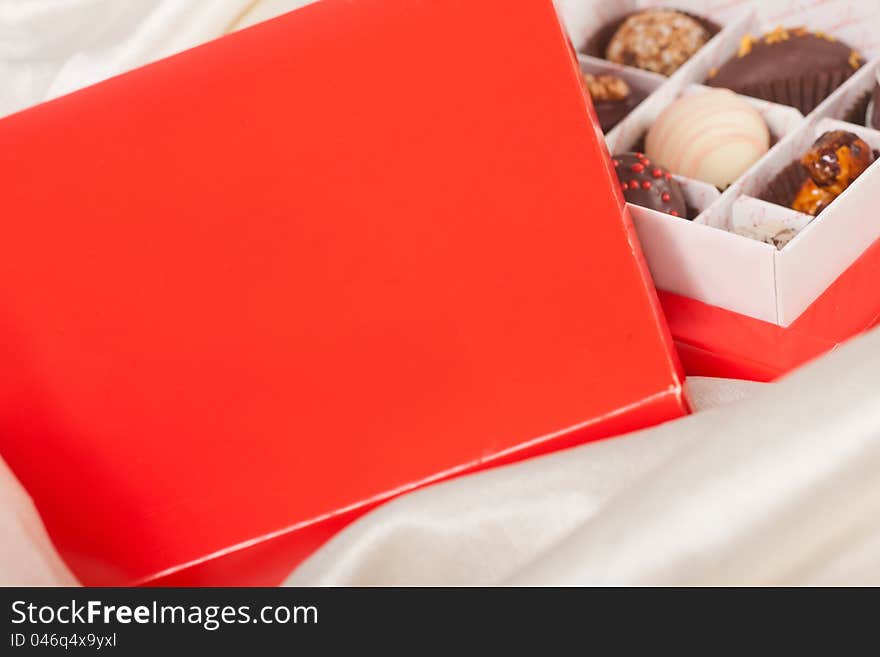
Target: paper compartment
column 709, row 259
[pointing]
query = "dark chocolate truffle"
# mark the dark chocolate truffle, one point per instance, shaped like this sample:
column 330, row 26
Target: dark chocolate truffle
column 657, row 40
column 612, row 97
column 836, row 159
column 791, row 67
column 648, row 185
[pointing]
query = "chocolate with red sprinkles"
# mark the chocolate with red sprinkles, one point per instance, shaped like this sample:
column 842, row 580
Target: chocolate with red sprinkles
column 648, row 185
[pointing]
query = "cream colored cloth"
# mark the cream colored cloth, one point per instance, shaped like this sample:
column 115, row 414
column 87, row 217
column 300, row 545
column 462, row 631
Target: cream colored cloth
column 779, row 488
column 51, row 47
column 27, row 557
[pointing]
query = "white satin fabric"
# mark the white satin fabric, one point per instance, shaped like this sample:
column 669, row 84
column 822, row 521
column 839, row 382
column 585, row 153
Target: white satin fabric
column 27, row 557
column 777, row 488
column 51, row 47
column 780, row 488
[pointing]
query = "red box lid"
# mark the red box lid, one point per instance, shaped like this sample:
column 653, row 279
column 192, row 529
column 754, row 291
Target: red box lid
column 265, row 284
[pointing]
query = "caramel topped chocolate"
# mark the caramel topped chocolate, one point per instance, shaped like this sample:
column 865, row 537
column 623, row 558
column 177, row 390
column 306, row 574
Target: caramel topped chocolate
column 836, row 159
column 606, row 87
column 612, row 98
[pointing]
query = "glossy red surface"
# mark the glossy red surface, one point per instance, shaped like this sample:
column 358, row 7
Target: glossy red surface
column 250, row 291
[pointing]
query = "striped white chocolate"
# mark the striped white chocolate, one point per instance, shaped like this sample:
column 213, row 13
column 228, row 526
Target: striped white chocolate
column 713, row 136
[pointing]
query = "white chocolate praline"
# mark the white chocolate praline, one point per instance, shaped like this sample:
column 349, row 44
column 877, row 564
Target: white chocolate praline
column 713, row 136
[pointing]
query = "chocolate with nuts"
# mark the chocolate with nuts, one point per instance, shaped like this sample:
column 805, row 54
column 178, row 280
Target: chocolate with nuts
column 792, row 67
column 612, row 97
column 657, row 40
column 836, row 159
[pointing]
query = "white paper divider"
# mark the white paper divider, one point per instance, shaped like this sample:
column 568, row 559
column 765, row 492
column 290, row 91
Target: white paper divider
column 697, row 194
column 767, row 222
column 869, row 113
column 723, row 268
column 826, row 248
column 733, row 271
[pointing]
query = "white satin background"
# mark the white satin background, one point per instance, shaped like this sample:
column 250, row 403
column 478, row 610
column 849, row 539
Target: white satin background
column 778, row 488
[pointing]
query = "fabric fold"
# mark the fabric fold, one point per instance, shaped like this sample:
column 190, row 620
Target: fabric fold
column 779, row 488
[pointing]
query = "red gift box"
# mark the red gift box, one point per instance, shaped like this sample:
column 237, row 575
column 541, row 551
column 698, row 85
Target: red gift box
column 253, row 290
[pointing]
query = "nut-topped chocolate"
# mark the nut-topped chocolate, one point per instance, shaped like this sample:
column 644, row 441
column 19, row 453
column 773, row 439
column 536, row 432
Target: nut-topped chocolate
column 793, row 67
column 657, row 40
column 648, row 185
column 612, row 97
column 836, row 159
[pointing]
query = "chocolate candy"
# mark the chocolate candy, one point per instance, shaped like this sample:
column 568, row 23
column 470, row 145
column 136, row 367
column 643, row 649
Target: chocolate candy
column 657, row 40
column 713, row 136
column 836, row 159
column 648, row 185
column 612, row 98
column 792, row 67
